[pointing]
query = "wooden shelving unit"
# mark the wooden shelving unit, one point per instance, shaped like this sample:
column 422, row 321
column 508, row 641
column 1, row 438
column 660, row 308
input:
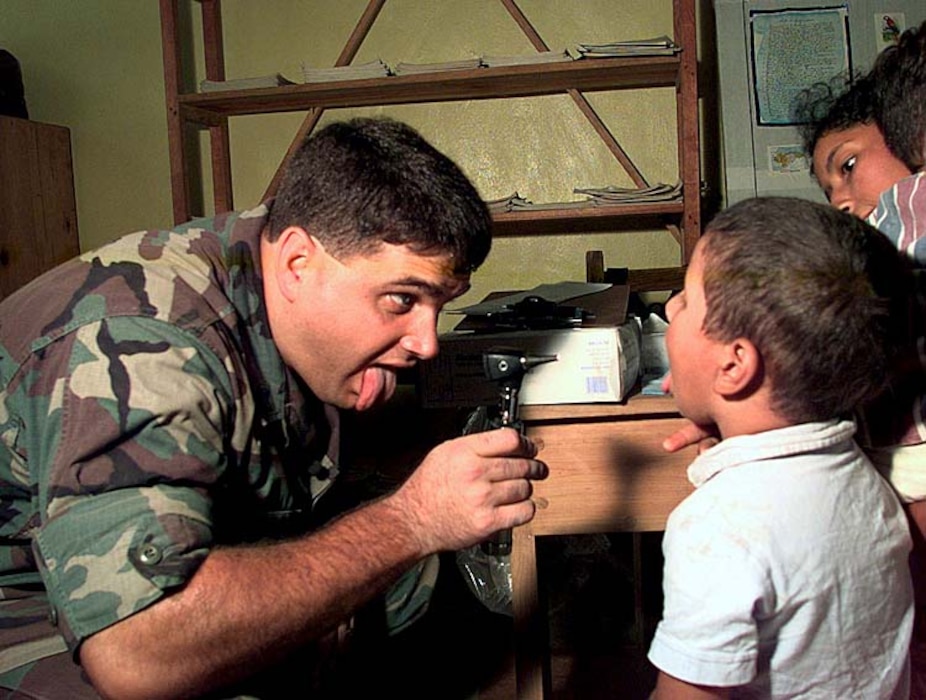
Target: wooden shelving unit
column 213, row 110
column 38, row 209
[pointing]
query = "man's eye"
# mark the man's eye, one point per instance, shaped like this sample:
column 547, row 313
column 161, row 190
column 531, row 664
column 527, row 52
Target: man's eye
column 402, row 302
column 849, row 165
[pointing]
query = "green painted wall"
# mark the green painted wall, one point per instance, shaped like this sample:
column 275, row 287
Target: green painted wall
column 96, row 67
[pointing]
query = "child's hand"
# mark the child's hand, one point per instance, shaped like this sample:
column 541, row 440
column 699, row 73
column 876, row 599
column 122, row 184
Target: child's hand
column 704, row 437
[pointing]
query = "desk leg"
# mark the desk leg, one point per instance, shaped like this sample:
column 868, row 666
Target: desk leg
column 530, row 624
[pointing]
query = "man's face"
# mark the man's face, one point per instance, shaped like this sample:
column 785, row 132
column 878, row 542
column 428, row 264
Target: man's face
column 854, row 166
column 691, row 353
column 357, row 321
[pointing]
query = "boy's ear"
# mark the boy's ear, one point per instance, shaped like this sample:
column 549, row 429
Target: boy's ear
column 294, row 250
column 740, row 368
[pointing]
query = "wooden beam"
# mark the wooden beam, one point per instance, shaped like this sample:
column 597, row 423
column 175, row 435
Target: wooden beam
column 347, row 55
column 179, row 172
column 219, row 145
column 583, row 104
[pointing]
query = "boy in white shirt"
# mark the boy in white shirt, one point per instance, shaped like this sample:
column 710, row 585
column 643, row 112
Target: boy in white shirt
column 786, row 570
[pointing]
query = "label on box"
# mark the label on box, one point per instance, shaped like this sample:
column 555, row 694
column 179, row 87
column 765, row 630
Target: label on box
column 593, row 365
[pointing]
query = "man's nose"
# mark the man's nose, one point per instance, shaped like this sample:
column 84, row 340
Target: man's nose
column 671, row 307
column 421, row 338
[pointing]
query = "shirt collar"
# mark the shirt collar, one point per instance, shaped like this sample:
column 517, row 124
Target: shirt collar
column 245, row 289
column 771, row 444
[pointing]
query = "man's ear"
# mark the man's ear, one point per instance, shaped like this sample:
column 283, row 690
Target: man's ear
column 740, row 370
column 294, row 250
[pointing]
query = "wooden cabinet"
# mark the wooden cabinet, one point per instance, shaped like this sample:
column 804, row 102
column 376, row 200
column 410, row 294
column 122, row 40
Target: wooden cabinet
column 38, row 213
column 212, row 111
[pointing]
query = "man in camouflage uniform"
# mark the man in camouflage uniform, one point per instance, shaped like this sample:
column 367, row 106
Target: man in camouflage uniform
column 168, row 420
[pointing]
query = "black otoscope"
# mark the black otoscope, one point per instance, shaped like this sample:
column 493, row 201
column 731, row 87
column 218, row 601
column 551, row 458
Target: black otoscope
column 507, row 368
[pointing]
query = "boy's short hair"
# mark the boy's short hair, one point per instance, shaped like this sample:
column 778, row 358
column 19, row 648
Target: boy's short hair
column 899, row 77
column 822, row 295
column 837, row 105
column 355, row 185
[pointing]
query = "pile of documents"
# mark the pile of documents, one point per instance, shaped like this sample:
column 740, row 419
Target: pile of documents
column 370, row 69
column 657, row 46
column 414, row 68
column 484, row 62
column 625, row 195
column 527, row 59
column 510, row 203
column 260, row 81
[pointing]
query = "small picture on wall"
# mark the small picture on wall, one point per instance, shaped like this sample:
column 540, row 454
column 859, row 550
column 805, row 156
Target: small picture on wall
column 888, row 28
column 787, row 159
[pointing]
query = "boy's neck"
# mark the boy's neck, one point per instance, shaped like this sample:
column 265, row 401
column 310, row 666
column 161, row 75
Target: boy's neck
column 748, row 416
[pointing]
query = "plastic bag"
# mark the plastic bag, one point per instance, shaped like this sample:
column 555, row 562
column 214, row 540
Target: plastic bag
column 488, row 577
column 487, row 573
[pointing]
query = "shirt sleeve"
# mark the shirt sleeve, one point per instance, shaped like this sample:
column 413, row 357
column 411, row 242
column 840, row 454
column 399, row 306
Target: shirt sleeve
column 132, row 442
column 712, row 590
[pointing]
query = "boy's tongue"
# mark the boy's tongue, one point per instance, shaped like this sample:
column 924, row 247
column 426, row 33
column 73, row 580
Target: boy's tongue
column 376, row 386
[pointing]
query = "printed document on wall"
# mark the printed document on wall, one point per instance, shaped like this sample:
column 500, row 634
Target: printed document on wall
column 793, row 49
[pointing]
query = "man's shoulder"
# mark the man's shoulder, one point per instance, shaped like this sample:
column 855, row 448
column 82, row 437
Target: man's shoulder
column 175, row 277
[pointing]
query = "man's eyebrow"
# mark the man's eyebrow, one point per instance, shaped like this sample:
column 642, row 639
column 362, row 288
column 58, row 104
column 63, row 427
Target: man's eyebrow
column 429, row 288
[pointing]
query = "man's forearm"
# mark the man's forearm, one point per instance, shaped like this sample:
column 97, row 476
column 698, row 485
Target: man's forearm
column 247, row 607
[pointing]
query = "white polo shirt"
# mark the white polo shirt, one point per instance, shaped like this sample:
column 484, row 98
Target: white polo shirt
column 786, row 571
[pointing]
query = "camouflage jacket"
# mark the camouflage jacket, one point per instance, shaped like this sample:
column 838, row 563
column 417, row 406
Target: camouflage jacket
column 146, row 415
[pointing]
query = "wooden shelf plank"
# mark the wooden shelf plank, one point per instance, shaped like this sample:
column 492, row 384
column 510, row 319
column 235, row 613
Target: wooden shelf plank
column 587, row 75
column 597, row 218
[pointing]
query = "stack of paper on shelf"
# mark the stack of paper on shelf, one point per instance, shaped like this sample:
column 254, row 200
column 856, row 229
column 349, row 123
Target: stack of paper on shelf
column 512, row 201
column 370, row 69
column 260, row 81
column 624, row 195
column 527, row 59
column 581, row 204
column 657, row 46
column 414, row 68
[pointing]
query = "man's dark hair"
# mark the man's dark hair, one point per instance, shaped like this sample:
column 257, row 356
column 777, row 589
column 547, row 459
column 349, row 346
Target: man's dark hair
column 357, row 184
column 836, row 105
column 823, row 296
column 899, row 76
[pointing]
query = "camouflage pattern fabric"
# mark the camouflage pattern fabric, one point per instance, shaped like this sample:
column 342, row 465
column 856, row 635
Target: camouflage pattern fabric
column 146, row 416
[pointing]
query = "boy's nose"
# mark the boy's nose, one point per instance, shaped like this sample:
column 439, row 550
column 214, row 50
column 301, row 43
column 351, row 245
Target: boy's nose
column 842, row 199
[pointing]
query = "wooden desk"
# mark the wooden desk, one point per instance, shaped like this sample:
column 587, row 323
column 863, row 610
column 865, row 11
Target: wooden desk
column 608, row 473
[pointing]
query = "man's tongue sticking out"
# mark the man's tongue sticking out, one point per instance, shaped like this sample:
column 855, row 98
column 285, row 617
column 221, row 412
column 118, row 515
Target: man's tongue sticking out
column 376, row 386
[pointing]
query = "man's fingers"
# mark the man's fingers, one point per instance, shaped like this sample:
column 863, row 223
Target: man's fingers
column 511, row 468
column 505, row 441
column 515, row 514
column 511, row 491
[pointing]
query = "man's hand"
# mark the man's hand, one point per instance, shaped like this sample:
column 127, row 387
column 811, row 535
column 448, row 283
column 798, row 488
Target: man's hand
column 463, row 492
column 471, row 487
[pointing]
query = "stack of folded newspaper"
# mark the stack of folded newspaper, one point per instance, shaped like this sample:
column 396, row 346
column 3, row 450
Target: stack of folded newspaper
column 370, row 69
column 260, row 81
column 511, row 202
column 414, row 68
column 657, row 46
column 528, row 59
column 625, row 195
column 535, row 58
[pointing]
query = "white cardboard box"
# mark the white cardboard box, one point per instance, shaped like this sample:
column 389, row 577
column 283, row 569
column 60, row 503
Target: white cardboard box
column 595, row 365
